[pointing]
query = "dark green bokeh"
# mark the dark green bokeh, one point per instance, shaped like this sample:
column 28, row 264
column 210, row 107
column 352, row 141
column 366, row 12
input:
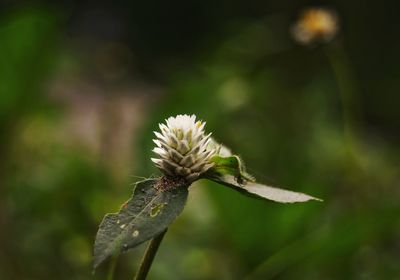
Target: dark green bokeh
column 83, row 85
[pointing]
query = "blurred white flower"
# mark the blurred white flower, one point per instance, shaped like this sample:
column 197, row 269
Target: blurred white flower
column 315, row 25
column 183, row 148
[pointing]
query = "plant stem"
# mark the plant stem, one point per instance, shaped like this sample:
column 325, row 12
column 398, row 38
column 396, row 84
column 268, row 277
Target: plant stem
column 111, row 269
column 149, row 255
column 341, row 67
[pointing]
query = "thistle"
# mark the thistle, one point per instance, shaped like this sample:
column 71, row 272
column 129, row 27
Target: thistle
column 183, row 148
column 185, row 154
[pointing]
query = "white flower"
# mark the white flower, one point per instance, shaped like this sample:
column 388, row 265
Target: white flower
column 183, row 147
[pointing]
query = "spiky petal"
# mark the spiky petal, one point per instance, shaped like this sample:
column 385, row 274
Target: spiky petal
column 183, row 147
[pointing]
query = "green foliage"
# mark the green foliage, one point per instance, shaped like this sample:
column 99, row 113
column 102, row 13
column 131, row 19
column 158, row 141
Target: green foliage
column 26, row 47
column 149, row 212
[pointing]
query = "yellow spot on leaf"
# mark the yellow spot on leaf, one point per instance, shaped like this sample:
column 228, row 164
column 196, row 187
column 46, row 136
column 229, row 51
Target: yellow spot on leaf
column 156, row 209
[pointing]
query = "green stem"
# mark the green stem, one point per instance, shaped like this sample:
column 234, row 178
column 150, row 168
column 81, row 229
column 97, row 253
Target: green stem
column 149, row 255
column 111, row 269
column 341, row 67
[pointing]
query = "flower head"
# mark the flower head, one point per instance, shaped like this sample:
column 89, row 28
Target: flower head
column 183, row 147
column 315, row 25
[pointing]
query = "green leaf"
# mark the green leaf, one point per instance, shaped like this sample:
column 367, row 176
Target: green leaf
column 230, row 171
column 262, row 191
column 150, row 211
column 232, row 165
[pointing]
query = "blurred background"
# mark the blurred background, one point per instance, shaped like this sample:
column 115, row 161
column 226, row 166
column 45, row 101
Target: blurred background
column 308, row 96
